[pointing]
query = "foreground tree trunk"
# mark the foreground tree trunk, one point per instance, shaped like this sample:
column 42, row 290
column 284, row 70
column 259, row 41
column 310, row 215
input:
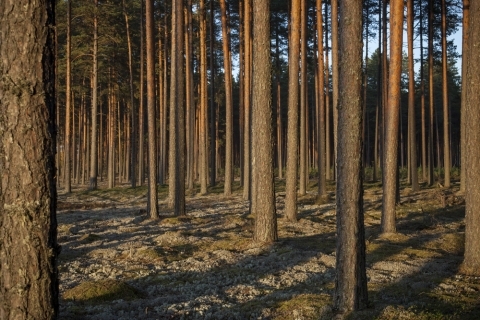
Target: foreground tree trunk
column 28, row 225
column 263, row 203
column 471, row 262
column 177, row 115
column 392, row 116
column 446, row 130
column 351, row 281
column 292, row 128
column 68, row 103
column 463, row 140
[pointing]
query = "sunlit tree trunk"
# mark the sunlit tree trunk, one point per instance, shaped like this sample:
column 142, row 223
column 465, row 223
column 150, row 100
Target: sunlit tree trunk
column 68, row 103
column 263, row 203
column 322, row 184
column 392, row 114
column 471, row 262
column 335, row 88
column 141, row 110
column 28, row 225
column 247, row 89
column 430, row 93
column 302, row 185
column 189, row 98
column 292, row 129
column 463, row 140
column 203, row 156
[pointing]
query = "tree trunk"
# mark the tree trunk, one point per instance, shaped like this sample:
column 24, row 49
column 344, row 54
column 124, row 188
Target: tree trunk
column 28, row 225
column 446, row 139
column 93, row 142
column 412, row 144
column 68, row 103
column 471, row 262
column 392, row 115
column 463, row 140
column 322, row 184
column 430, row 93
column 302, row 185
column 133, row 133
column 335, row 87
column 189, row 98
column 151, row 114
column 213, row 136
column 292, row 133
column 177, row 115
column 247, row 87
column 228, row 102
column 263, row 203
column 422, row 104
column 141, row 110
column 203, row 156
column 328, row 153
column 351, row 280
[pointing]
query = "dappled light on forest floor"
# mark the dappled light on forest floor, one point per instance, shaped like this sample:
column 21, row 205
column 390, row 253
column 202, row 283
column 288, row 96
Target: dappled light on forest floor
column 116, row 263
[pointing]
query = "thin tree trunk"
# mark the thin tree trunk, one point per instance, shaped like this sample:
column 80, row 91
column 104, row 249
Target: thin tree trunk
column 302, row 188
column 177, row 115
column 412, row 144
column 292, row 135
column 322, row 184
column 93, row 148
column 152, row 206
column 463, row 140
column 68, row 103
column 422, row 104
column 213, row 127
column 247, row 87
column 203, row 155
column 328, row 152
column 446, row 139
column 189, row 98
column 392, row 113
column 335, row 87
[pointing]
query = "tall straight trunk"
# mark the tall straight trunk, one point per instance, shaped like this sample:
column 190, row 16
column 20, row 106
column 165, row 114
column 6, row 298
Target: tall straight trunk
column 247, row 89
column 335, row 87
column 471, row 262
column 292, row 133
column 189, row 97
column 322, row 184
column 111, row 136
column 203, row 140
column 263, row 203
column 213, row 127
column 302, row 185
column 152, row 206
column 79, row 142
column 463, row 140
column 68, row 103
column 161, row 110
column 177, row 115
column 422, row 104
column 279, row 107
column 328, row 152
column 351, row 279
column 28, row 225
column 241, row 91
column 163, row 118
column 392, row 114
column 141, row 110
column 133, row 134
column 93, row 141
column 430, row 93
column 412, row 144
column 446, row 130
column 227, row 65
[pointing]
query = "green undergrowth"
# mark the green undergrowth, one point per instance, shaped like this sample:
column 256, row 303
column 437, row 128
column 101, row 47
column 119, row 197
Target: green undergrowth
column 102, row 291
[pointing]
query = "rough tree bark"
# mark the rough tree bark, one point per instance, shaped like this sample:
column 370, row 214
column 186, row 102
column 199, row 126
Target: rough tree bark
column 471, row 262
column 263, row 203
column 28, row 225
column 351, row 280
column 93, row 141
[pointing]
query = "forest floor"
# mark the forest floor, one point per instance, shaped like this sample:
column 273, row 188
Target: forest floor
column 116, row 263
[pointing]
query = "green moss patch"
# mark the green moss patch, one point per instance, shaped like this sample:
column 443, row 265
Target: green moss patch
column 102, row 291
